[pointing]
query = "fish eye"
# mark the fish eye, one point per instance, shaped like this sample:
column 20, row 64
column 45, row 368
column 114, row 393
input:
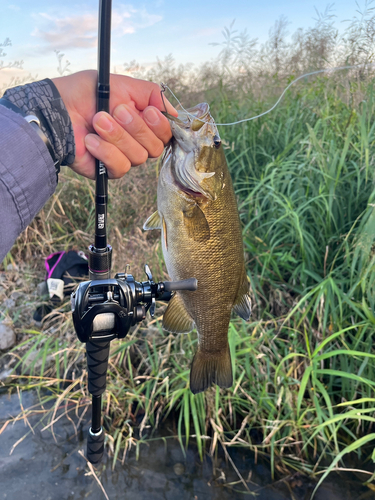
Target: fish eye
column 217, row 141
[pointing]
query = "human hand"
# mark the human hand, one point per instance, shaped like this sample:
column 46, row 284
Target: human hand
column 133, row 131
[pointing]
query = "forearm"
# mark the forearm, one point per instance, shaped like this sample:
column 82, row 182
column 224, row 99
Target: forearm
column 28, row 170
column 43, row 100
column 27, row 176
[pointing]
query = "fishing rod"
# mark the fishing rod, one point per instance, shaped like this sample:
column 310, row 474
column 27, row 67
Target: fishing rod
column 105, row 309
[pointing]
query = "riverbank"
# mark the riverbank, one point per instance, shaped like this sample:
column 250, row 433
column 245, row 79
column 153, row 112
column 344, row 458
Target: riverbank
column 304, row 371
column 49, row 465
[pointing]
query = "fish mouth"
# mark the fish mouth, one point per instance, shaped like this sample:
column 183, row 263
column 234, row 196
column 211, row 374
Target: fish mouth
column 183, row 180
column 190, row 183
column 189, row 192
column 188, row 137
column 193, row 118
column 188, row 179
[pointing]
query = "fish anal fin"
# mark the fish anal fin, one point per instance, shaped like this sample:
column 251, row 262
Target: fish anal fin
column 242, row 304
column 211, row 368
column 176, row 319
column 196, row 223
column 153, row 222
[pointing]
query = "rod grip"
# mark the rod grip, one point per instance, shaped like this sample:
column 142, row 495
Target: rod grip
column 95, row 446
column 97, row 364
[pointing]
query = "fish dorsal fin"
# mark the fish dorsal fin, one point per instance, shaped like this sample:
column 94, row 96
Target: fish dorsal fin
column 176, row 319
column 153, row 222
column 196, row 223
column 242, row 304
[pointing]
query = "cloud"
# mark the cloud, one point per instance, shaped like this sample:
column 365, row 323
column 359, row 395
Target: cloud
column 127, row 19
column 14, row 7
column 80, row 30
column 67, row 32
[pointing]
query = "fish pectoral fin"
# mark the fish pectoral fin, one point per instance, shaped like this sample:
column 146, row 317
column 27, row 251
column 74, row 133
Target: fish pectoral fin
column 242, row 304
column 176, row 319
column 196, row 223
column 211, row 368
column 153, row 222
column 164, row 232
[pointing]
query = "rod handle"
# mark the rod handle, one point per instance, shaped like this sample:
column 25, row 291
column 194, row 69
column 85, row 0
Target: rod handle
column 97, row 364
column 95, row 446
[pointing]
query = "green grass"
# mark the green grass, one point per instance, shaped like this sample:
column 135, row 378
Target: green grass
column 304, row 366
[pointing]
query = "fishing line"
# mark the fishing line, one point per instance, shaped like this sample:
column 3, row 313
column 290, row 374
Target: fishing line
column 340, row 68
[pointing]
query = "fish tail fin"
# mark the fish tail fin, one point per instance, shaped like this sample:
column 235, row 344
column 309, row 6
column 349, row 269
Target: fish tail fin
column 211, row 369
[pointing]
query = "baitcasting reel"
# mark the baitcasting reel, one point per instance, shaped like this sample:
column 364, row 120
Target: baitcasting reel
column 106, row 309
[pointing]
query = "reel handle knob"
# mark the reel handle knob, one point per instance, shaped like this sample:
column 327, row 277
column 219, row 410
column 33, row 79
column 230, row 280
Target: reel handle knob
column 190, row 284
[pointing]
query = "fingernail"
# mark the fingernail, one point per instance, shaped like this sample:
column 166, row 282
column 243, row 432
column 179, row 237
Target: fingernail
column 104, row 123
column 151, row 116
column 91, row 141
column 123, row 115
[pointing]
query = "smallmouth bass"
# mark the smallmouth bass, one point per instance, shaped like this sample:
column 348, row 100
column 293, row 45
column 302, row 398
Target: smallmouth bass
column 201, row 238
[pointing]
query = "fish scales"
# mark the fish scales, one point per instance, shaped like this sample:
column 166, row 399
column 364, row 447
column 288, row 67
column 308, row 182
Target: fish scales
column 217, row 276
column 201, row 238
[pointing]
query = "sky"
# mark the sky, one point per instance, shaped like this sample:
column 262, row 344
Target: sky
column 141, row 31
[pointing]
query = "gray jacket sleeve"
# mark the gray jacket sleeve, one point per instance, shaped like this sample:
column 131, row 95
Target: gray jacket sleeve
column 27, row 176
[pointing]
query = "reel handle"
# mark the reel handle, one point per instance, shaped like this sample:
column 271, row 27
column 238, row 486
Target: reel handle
column 190, row 284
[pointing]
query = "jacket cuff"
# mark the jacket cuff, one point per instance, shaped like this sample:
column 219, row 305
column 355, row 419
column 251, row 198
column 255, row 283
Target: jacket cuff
column 43, row 99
